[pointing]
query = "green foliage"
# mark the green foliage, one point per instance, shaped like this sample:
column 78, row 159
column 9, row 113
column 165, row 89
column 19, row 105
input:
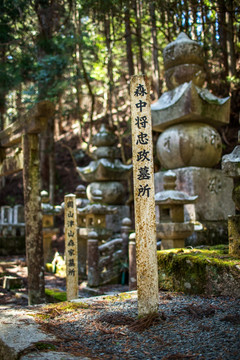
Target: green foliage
column 68, row 50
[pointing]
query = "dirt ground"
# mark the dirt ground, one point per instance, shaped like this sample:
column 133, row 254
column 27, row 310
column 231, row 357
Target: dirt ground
column 16, row 266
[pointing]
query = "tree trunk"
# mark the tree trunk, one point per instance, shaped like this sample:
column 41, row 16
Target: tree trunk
column 51, row 160
column 222, row 36
column 107, row 31
column 128, row 40
column 33, row 219
column 194, row 8
column 156, row 71
column 86, row 78
column 230, row 41
column 137, row 10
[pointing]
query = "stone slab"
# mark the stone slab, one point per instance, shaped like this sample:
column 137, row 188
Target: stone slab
column 18, row 331
column 213, row 188
column 52, row 355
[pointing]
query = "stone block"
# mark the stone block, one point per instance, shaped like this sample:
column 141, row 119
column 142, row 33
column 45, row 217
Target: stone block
column 208, row 233
column 213, row 188
column 208, row 272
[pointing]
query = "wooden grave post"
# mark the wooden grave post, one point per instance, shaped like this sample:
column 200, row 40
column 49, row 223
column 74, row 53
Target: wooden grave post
column 143, row 176
column 71, row 246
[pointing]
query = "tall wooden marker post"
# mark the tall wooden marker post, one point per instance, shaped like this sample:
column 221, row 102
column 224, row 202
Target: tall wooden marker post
column 145, row 222
column 71, row 246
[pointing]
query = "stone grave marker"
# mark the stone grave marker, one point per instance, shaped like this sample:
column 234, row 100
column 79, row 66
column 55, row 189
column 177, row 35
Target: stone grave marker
column 71, row 248
column 145, row 224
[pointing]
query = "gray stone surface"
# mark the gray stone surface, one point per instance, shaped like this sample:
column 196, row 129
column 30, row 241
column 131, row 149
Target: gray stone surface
column 189, row 144
column 187, row 103
column 18, row 331
column 208, row 233
column 52, row 355
column 213, row 188
column 231, row 163
column 113, row 192
column 114, row 221
column 183, row 50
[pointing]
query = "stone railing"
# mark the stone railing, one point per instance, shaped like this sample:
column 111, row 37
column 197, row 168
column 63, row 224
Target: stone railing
column 108, row 260
column 12, row 230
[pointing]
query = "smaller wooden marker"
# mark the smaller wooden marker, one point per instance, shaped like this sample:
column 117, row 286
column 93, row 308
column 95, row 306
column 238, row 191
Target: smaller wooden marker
column 71, row 246
column 145, row 223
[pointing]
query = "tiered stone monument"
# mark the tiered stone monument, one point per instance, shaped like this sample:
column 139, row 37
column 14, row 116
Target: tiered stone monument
column 231, row 167
column 188, row 117
column 172, row 228
column 107, row 173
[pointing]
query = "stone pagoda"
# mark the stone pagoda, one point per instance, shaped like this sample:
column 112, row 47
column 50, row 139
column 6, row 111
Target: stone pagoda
column 172, row 228
column 107, row 174
column 188, row 116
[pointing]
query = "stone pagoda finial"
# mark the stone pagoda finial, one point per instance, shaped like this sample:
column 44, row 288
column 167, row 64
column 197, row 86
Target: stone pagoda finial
column 169, row 180
column 183, row 62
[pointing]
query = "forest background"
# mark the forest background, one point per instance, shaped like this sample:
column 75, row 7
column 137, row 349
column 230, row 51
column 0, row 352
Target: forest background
column 80, row 55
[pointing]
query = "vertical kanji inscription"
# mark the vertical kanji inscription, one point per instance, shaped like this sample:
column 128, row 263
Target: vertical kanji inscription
column 145, row 223
column 71, row 250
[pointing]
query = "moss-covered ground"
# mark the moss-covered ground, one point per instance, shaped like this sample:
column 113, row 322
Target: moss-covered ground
column 199, row 270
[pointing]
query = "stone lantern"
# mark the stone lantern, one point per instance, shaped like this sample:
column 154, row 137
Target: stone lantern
column 171, row 227
column 95, row 217
column 188, row 118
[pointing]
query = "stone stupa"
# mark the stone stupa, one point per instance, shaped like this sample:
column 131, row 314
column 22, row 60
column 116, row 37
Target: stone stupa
column 188, row 116
column 106, row 173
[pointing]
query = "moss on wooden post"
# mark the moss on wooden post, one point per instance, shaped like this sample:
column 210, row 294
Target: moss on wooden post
column 33, row 219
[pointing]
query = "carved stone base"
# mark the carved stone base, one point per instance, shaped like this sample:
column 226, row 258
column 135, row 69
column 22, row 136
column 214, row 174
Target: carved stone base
column 172, row 244
column 209, row 233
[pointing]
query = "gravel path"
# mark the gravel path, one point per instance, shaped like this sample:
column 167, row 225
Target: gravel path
column 189, row 327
